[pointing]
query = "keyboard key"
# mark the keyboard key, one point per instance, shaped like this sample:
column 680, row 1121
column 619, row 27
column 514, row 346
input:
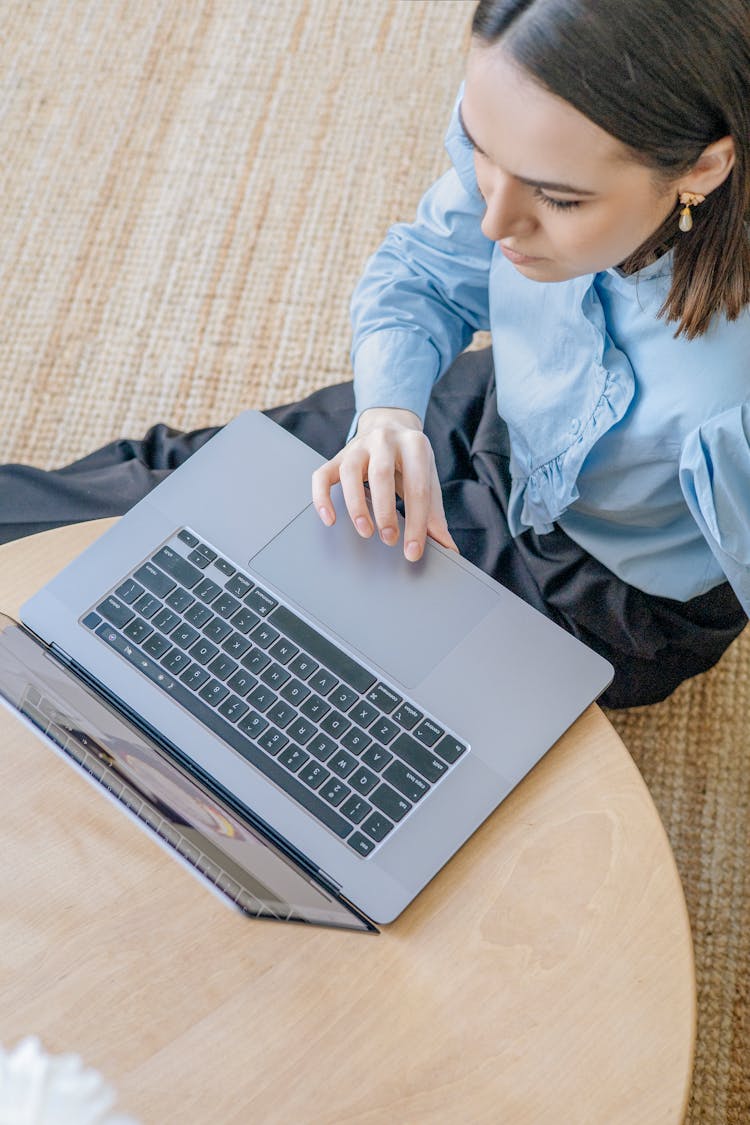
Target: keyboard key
column 206, row 552
column 313, row 774
column 335, row 724
column 376, row 757
column 178, row 567
column 156, row 645
column 322, row 747
column 91, row 620
column 390, row 802
column 450, row 749
column 154, row 580
column 301, row 730
column 281, row 713
column 323, row 681
column 245, row 620
column 363, row 780
column 364, row 713
column 295, row 692
column 188, row 537
column 406, row 716
column 236, row 645
column 137, row 630
column 225, row 605
column 428, row 732
column 264, row 635
column 239, row 586
column 406, row 781
column 273, row 740
column 207, row 590
column 253, row 725
column 342, row 763
column 128, row 591
column 322, row 649
column 147, row 605
column 198, row 615
column 355, row 809
column 166, row 620
column 384, row 698
column 223, row 666
column 194, row 676
column 198, row 559
column 343, row 697
column 260, row 601
column 283, row 650
column 224, row 566
column 304, row 666
column 214, row 692
column 184, row 636
column 384, row 730
column 217, row 630
column 356, row 740
column 233, row 708
column 275, row 676
column 175, row 660
column 360, row 844
column 179, row 600
column 262, row 697
column 293, row 758
column 334, row 791
column 377, row 826
column 315, row 708
column 255, row 660
column 242, row 682
column 203, row 651
column 115, row 611
column 418, row 756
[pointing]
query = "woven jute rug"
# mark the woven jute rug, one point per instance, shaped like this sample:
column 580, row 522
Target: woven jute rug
column 188, row 192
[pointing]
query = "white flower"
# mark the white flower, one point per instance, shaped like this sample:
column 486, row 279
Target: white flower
column 41, row 1089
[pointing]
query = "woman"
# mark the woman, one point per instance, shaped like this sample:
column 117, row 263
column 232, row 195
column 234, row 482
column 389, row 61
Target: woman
column 597, row 459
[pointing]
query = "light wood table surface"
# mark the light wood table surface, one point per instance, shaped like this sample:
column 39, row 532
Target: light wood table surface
column 545, row 975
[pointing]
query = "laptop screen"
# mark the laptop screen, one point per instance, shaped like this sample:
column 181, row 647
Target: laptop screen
column 220, row 845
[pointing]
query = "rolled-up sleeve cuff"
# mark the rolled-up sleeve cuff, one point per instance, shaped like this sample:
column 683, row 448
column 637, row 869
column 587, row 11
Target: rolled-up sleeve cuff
column 393, row 367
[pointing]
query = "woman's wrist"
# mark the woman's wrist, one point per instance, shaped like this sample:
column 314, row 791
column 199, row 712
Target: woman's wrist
column 387, row 415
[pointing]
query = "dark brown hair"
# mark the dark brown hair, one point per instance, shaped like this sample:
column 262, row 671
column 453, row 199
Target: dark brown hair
column 666, row 78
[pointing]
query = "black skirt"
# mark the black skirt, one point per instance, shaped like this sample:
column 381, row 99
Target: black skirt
column 654, row 643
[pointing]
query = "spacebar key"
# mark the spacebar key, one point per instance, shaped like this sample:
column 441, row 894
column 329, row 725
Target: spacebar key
column 320, row 649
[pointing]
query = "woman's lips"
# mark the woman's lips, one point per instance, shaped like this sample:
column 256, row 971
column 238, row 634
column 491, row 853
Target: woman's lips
column 516, row 258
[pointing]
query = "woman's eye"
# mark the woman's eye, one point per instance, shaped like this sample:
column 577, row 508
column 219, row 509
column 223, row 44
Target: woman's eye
column 556, row 204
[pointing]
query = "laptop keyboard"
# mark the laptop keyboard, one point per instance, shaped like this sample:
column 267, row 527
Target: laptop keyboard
column 343, row 743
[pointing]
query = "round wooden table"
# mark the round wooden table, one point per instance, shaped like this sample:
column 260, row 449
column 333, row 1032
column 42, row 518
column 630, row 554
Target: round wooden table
column 545, row 975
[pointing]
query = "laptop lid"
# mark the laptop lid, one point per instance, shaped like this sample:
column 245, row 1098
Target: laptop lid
column 237, row 859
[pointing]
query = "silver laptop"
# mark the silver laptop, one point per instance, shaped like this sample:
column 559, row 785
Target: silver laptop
column 310, row 722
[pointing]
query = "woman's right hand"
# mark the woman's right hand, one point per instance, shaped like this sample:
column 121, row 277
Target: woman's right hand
column 391, row 454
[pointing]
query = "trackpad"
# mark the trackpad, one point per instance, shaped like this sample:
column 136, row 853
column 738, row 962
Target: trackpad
column 404, row 616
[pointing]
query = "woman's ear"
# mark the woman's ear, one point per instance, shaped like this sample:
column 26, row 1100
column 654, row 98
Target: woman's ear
column 710, row 169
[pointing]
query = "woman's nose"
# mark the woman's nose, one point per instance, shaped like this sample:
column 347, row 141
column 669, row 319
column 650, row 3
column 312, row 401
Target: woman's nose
column 506, row 212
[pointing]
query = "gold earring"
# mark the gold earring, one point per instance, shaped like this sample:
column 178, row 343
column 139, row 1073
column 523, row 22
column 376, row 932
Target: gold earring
column 688, row 199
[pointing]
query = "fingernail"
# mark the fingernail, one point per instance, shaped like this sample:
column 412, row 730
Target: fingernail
column 413, row 550
column 389, row 535
column 362, row 525
column 326, row 516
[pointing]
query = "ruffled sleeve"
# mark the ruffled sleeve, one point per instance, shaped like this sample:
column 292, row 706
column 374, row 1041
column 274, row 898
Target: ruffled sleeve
column 715, row 481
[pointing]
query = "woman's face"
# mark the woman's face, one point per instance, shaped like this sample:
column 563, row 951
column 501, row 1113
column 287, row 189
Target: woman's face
column 563, row 197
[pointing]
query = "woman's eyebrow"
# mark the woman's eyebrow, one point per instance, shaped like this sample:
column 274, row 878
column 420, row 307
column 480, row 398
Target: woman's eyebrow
column 547, row 185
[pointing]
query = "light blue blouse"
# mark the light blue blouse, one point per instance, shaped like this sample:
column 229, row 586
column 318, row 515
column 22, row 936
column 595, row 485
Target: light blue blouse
column 636, row 443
